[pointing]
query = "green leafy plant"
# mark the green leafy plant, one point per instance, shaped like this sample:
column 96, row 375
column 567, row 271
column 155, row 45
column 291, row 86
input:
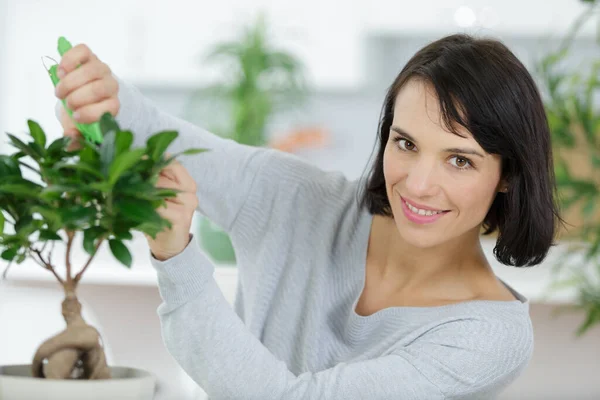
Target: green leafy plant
column 259, row 80
column 99, row 192
column 574, row 118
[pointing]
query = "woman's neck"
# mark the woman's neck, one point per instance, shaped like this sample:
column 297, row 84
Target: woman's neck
column 412, row 267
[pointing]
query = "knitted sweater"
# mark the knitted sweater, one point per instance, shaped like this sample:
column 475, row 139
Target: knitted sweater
column 300, row 238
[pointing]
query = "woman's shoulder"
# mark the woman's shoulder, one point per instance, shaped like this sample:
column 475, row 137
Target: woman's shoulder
column 295, row 180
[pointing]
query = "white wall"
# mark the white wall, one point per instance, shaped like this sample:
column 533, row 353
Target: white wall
column 151, row 40
column 4, row 39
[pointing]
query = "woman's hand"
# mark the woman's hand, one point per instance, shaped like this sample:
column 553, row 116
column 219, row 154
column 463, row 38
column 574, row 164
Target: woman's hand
column 90, row 90
column 179, row 210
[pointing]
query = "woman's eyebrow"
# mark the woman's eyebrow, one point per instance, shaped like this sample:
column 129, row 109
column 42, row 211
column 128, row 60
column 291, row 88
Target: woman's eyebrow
column 449, row 150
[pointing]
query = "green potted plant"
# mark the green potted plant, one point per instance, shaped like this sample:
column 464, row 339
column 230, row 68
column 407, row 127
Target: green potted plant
column 100, row 194
column 574, row 117
column 259, row 81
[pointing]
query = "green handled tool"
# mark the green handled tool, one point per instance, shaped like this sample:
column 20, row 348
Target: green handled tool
column 91, row 132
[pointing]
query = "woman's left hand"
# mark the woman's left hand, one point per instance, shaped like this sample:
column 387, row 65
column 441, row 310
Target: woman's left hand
column 179, row 210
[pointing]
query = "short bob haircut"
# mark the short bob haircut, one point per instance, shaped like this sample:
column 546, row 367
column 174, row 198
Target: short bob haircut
column 481, row 85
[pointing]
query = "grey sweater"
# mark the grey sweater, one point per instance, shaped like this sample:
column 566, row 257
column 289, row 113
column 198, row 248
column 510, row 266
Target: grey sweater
column 301, row 238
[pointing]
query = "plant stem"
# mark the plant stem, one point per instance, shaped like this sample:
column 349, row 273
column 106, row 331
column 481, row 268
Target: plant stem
column 70, row 236
column 30, row 167
column 47, row 265
column 89, row 261
column 6, row 270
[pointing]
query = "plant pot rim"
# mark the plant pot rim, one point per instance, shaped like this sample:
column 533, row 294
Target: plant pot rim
column 119, row 373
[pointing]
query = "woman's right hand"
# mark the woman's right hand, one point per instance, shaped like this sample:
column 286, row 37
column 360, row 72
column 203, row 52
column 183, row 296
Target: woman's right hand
column 90, row 90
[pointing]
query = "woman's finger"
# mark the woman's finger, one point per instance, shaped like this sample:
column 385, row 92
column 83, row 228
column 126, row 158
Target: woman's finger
column 78, row 54
column 180, row 174
column 173, row 213
column 93, row 92
column 166, row 183
column 92, row 112
column 89, row 72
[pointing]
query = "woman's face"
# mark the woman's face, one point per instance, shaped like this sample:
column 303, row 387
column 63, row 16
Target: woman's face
column 440, row 185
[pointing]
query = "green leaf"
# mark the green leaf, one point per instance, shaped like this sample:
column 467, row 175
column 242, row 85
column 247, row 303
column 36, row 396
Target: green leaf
column 58, row 146
column 50, row 215
column 592, row 318
column 26, row 225
column 104, row 187
column 593, row 251
column 159, row 142
column 29, row 149
column 138, row 210
column 123, row 142
column 2, row 220
column 108, row 124
column 23, row 189
column 590, row 207
column 48, row 235
column 123, row 162
column 37, row 133
column 9, row 254
column 154, row 228
column 9, row 166
column 78, row 167
column 121, row 232
column 596, row 158
column 90, row 156
column 90, row 236
column 120, row 251
column 78, row 215
column 107, row 151
column 190, row 152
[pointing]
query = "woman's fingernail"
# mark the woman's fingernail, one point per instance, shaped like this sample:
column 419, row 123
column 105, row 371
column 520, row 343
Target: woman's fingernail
column 76, row 116
column 61, row 73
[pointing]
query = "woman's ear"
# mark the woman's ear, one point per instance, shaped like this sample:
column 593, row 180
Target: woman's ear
column 502, row 186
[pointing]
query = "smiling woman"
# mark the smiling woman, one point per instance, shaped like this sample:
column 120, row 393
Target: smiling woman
column 461, row 123
column 373, row 289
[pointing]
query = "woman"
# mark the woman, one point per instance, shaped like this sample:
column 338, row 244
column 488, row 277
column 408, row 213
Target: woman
column 350, row 289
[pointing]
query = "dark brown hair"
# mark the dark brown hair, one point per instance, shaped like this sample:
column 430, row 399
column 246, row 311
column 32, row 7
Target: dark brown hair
column 481, row 85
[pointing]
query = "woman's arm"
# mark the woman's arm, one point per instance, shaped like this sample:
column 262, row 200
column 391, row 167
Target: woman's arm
column 223, row 175
column 467, row 359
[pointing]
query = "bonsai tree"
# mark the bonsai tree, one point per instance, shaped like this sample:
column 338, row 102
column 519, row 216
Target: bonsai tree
column 100, row 193
column 574, row 118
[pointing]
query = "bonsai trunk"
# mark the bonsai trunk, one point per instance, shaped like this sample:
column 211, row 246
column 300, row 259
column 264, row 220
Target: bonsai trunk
column 76, row 352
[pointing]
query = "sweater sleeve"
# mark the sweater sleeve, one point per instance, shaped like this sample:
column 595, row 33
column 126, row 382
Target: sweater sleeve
column 210, row 342
column 224, row 175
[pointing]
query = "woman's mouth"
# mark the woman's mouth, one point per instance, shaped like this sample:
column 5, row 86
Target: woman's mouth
column 421, row 216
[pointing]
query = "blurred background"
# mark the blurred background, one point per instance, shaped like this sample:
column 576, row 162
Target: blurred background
column 308, row 77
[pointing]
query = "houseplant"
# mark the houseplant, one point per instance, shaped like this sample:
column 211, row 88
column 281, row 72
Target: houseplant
column 573, row 112
column 100, row 193
column 259, row 80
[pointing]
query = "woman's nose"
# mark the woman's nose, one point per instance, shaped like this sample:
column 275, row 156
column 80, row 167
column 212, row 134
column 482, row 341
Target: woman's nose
column 423, row 179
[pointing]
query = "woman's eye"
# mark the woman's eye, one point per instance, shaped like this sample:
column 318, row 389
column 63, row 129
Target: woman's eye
column 461, row 162
column 405, row 144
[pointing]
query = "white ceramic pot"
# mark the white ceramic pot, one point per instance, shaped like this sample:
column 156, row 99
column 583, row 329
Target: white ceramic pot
column 126, row 383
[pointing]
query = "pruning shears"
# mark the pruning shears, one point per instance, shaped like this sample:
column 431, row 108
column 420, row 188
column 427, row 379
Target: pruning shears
column 91, row 132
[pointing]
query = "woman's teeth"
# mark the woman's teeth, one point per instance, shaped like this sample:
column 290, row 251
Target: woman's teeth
column 422, row 212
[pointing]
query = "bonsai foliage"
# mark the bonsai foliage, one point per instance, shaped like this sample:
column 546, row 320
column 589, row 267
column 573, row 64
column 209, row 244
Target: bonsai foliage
column 100, row 192
column 574, row 117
